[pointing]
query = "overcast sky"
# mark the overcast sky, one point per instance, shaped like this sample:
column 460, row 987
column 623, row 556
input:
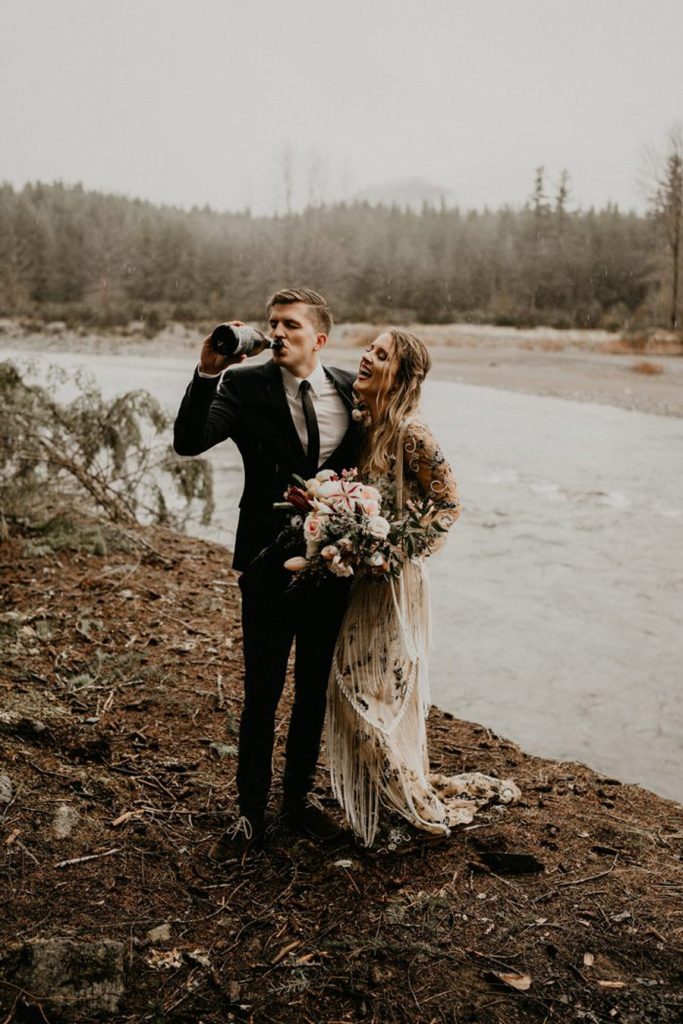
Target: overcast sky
column 207, row 101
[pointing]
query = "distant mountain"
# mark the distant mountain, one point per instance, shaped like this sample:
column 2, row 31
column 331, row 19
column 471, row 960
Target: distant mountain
column 406, row 192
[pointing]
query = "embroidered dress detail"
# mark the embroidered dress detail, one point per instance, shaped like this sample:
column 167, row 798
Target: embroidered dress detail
column 378, row 697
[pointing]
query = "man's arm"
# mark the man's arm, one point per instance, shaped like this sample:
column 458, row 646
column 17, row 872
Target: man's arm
column 208, row 412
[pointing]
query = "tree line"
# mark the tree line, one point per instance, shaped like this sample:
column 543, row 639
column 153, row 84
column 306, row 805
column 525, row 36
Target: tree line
column 99, row 259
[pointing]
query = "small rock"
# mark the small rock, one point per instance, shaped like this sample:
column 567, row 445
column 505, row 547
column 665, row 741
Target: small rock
column 19, row 725
column 162, row 933
column 64, row 820
column 85, row 975
column 222, row 750
column 6, row 790
column 625, row 915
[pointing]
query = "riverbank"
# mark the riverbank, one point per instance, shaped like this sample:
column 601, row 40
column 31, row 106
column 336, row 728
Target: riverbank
column 587, row 366
column 121, row 697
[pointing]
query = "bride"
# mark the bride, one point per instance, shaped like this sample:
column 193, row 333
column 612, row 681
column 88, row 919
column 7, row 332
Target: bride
column 378, row 695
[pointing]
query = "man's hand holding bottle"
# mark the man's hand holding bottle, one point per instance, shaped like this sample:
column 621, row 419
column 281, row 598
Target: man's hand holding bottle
column 231, row 343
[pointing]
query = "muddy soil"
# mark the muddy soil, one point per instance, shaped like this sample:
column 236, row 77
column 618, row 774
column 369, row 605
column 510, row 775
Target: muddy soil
column 120, row 699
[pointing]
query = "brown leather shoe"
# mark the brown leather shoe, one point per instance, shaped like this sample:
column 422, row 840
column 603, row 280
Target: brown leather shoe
column 244, row 836
column 308, row 816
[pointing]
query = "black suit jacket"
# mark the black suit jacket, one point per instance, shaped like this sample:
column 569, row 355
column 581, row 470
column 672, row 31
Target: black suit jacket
column 250, row 406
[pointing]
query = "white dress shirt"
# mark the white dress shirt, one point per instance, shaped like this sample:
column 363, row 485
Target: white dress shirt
column 330, row 411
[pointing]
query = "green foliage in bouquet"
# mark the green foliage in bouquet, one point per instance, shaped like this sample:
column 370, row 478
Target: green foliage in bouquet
column 416, row 532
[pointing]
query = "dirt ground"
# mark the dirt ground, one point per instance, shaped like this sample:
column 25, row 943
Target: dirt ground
column 120, row 697
column 588, row 366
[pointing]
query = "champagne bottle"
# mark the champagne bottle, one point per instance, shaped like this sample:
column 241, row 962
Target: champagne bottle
column 227, row 340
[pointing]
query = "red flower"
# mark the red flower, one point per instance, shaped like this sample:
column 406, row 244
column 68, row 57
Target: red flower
column 299, row 499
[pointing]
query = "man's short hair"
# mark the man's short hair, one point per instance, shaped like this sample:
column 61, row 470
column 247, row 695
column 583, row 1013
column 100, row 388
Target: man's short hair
column 320, row 311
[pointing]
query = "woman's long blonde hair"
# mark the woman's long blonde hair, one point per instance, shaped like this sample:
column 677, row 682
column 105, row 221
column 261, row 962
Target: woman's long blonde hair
column 400, row 400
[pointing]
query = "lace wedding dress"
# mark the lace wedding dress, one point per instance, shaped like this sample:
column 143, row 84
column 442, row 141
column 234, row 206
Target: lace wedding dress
column 378, row 694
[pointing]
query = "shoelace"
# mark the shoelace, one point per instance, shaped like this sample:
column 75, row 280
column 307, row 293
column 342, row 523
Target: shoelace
column 241, row 825
column 314, row 801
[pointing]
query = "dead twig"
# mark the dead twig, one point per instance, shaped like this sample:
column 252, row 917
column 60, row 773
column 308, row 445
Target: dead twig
column 90, row 856
column 189, row 627
column 22, row 992
column 220, row 694
column 576, row 881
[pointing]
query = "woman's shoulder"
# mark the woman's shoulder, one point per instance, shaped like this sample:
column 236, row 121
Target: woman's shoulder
column 420, row 447
column 414, row 429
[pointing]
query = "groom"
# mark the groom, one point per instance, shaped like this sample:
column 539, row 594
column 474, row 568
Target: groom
column 288, row 415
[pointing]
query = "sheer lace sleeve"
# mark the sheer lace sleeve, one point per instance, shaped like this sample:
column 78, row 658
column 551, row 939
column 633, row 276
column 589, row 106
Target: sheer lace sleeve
column 425, row 462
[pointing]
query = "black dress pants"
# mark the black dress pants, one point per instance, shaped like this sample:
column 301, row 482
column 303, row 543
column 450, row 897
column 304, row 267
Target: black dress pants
column 272, row 618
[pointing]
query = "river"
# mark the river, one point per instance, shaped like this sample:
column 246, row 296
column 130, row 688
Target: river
column 557, row 600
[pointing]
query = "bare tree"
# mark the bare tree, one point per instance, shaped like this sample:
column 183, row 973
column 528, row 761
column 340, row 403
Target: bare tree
column 539, row 200
column 562, row 198
column 667, row 206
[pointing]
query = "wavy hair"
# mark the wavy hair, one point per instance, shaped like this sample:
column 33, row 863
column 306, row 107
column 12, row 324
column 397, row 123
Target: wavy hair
column 401, row 398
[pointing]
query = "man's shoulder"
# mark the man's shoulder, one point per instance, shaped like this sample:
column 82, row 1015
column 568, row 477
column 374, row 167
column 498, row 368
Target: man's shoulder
column 343, row 377
column 243, row 376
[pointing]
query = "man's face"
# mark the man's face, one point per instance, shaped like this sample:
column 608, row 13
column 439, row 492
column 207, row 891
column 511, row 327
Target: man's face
column 301, row 338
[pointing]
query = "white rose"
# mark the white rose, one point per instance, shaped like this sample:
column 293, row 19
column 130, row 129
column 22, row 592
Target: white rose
column 378, row 527
column 339, row 569
column 320, row 506
column 325, row 474
column 313, row 487
column 378, row 561
column 329, row 489
column 329, row 552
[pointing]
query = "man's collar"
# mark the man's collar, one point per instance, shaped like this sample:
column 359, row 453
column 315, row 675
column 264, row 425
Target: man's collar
column 316, row 379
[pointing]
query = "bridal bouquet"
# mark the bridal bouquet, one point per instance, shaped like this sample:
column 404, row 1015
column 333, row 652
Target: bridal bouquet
column 341, row 522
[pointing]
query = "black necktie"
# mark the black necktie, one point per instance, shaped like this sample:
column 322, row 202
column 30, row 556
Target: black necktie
column 311, row 424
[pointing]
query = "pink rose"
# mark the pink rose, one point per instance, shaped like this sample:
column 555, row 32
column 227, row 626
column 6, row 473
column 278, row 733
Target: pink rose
column 313, row 530
column 371, row 493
